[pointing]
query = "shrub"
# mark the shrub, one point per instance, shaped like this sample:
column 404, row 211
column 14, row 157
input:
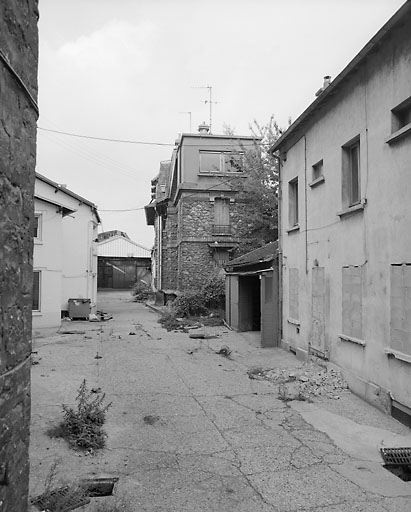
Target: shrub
column 82, row 426
column 142, row 291
column 189, row 303
column 213, row 291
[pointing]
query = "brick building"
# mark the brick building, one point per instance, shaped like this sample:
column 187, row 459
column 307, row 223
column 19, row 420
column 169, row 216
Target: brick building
column 196, row 210
column 18, row 116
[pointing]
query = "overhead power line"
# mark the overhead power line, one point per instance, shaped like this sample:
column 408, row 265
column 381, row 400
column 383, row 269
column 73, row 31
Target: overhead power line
column 252, row 142
column 106, row 139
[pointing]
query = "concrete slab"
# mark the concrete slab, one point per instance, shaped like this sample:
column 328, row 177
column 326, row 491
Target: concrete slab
column 216, row 441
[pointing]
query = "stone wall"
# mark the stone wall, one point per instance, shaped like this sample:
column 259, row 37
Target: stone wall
column 18, row 116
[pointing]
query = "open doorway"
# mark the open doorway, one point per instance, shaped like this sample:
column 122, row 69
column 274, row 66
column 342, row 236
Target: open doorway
column 249, row 303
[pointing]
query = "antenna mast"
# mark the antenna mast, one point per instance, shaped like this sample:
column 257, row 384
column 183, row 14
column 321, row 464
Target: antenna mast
column 209, row 101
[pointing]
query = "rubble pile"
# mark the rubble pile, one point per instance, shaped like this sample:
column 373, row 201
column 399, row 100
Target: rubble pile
column 306, row 382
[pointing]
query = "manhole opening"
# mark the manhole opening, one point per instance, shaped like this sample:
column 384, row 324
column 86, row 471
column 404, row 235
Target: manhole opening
column 62, row 499
column 403, row 472
column 98, row 487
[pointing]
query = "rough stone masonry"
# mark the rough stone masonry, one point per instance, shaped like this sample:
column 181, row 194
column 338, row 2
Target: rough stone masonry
column 18, row 116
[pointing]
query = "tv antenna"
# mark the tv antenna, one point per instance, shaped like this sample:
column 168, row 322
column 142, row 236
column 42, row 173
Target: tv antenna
column 189, row 113
column 209, row 101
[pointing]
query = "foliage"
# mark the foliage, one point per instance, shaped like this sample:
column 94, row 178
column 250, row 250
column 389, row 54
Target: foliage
column 169, row 321
column 258, row 187
column 141, row 292
column 82, row 426
column 189, row 303
column 213, row 291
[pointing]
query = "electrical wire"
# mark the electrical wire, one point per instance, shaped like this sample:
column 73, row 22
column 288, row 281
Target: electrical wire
column 105, row 139
column 251, row 143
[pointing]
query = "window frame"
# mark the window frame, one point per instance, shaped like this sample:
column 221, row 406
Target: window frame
column 222, row 168
column 400, row 121
column 39, row 227
column 293, row 207
column 351, row 189
column 38, row 309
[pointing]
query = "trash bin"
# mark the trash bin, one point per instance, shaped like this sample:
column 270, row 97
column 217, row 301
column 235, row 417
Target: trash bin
column 78, row 308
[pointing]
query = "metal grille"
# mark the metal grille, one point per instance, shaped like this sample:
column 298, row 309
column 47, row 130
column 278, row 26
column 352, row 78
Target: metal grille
column 397, row 456
column 219, row 229
column 62, row 499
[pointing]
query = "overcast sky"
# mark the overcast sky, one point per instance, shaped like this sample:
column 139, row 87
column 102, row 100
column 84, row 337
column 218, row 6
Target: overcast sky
column 127, row 69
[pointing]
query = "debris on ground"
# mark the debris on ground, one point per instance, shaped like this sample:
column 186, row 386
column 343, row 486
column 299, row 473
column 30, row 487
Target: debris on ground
column 307, row 382
column 72, row 332
column 97, row 356
column 224, row 351
column 103, row 317
column 197, row 335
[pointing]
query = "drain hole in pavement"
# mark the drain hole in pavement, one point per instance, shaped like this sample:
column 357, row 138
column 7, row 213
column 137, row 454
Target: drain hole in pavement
column 62, row 499
column 98, row 487
column 403, row 472
column 150, row 420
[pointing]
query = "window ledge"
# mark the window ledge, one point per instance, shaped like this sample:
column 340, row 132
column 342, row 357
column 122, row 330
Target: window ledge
column 294, row 322
column 37, row 242
column 294, row 229
column 405, row 130
column 219, row 173
column 317, row 181
column 37, row 313
column 398, row 355
column 353, row 209
column 350, row 339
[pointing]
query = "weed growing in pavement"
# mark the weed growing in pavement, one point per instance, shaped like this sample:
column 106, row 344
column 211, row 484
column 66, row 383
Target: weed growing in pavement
column 82, row 427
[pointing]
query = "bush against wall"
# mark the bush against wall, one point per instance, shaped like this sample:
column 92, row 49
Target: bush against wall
column 199, row 302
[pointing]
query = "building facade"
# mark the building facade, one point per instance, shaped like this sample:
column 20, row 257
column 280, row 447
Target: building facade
column 65, row 251
column 122, row 263
column 345, row 213
column 196, row 210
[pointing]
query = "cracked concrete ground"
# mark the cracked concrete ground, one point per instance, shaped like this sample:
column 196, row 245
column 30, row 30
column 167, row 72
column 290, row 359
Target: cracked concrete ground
column 189, row 431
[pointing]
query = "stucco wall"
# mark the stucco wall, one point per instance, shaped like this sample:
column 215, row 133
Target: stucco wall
column 48, row 259
column 371, row 239
column 18, row 40
column 80, row 255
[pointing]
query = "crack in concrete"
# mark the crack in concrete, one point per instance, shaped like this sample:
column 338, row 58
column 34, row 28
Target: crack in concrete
column 237, row 463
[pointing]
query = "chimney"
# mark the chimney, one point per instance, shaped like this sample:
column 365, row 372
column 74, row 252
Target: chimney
column 203, row 128
column 326, row 83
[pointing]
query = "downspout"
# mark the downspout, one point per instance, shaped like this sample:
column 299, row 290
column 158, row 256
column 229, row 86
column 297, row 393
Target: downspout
column 305, row 205
column 280, row 255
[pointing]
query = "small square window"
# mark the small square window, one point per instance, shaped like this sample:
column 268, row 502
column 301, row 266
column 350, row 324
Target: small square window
column 293, row 202
column 318, row 170
column 351, row 182
column 401, row 115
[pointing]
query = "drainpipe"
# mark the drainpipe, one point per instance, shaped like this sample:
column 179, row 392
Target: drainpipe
column 305, row 204
column 280, row 255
